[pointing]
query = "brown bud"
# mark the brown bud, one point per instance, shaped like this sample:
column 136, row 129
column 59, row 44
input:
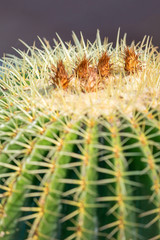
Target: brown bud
column 104, row 66
column 132, row 63
column 61, row 77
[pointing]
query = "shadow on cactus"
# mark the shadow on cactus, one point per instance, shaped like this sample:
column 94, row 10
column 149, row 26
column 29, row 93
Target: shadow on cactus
column 80, row 141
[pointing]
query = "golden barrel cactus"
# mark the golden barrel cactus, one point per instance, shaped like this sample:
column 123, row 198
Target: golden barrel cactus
column 80, row 141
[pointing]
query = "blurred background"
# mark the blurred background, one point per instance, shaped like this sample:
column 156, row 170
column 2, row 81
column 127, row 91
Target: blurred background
column 25, row 19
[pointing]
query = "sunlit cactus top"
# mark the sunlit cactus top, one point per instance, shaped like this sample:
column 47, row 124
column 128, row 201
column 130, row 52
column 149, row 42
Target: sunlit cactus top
column 83, row 77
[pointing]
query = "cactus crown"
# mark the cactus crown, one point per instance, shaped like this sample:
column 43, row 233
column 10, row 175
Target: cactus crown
column 85, row 77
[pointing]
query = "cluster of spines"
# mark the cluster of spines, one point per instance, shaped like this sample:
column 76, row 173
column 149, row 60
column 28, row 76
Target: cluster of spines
column 90, row 77
column 19, row 137
column 136, row 138
column 148, row 135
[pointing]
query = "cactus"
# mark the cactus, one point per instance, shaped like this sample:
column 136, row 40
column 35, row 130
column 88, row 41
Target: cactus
column 80, row 141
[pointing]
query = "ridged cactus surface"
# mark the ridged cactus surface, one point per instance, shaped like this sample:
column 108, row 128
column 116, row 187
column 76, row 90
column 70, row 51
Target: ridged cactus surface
column 80, row 142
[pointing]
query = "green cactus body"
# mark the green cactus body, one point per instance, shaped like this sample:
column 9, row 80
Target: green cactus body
column 80, row 142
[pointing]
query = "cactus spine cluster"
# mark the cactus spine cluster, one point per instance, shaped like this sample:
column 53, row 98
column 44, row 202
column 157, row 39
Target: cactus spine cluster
column 80, row 142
